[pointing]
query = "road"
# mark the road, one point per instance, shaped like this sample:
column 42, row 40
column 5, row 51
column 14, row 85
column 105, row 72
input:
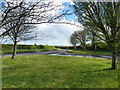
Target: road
column 64, row 52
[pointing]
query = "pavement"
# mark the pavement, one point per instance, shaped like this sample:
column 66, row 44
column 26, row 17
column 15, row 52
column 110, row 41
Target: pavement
column 63, row 52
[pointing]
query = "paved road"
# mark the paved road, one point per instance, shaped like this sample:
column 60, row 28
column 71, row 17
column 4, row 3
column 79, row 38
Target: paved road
column 64, row 53
column 44, row 53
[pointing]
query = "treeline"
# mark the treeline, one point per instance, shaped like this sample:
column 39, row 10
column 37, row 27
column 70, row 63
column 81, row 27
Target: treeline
column 100, row 46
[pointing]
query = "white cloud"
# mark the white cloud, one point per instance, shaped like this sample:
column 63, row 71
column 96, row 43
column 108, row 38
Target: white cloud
column 54, row 34
column 60, row 2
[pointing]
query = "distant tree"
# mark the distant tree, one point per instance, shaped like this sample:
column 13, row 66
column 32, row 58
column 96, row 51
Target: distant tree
column 104, row 17
column 82, row 38
column 73, row 39
column 93, row 38
column 79, row 37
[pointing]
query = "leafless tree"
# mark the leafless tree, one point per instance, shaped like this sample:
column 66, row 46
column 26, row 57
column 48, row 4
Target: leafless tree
column 38, row 12
column 20, row 32
column 5, row 10
column 79, row 37
column 73, row 39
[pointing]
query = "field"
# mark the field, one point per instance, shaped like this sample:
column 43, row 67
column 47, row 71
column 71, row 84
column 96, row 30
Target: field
column 91, row 52
column 8, row 48
column 43, row 71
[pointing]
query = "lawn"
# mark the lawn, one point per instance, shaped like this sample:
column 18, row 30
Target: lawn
column 43, row 71
column 9, row 51
column 46, row 48
column 90, row 52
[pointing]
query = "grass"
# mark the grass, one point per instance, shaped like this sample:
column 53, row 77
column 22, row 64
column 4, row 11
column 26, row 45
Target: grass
column 43, row 71
column 9, row 51
column 90, row 52
column 47, row 48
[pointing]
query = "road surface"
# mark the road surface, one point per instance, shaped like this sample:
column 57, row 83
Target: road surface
column 63, row 52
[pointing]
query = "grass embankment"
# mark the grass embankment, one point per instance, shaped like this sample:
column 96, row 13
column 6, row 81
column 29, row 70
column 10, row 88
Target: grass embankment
column 27, row 48
column 90, row 52
column 43, row 71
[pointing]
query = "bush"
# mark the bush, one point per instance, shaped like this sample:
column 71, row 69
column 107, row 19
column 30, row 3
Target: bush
column 41, row 47
column 103, row 46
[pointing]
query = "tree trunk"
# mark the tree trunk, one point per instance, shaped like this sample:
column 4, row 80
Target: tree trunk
column 93, row 41
column 75, row 47
column 84, row 46
column 14, row 50
column 114, row 57
column 95, row 47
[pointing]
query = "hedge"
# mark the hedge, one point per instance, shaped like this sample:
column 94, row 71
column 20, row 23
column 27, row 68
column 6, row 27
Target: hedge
column 10, row 47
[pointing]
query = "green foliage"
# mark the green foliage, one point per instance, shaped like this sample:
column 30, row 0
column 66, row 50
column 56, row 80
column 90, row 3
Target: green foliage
column 43, row 71
column 7, row 46
column 103, row 19
column 41, row 46
column 103, row 45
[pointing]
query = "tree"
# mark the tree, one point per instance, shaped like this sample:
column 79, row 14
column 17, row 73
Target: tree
column 82, row 37
column 40, row 11
column 73, row 39
column 79, row 37
column 20, row 32
column 5, row 10
column 93, row 38
column 104, row 18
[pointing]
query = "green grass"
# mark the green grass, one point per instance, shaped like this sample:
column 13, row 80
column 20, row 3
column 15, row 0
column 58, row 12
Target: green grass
column 8, row 48
column 47, row 48
column 43, row 71
column 9, row 51
column 90, row 52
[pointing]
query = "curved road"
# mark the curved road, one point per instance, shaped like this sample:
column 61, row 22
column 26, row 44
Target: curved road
column 64, row 52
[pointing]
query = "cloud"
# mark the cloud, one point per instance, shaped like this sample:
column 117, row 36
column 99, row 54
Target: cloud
column 60, row 2
column 54, row 34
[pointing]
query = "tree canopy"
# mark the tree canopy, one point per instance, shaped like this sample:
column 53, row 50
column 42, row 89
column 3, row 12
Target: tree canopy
column 104, row 18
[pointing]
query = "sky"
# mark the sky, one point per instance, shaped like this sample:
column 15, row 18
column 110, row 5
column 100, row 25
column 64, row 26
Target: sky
column 55, row 34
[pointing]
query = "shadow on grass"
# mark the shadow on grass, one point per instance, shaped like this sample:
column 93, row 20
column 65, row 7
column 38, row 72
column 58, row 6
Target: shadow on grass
column 106, row 69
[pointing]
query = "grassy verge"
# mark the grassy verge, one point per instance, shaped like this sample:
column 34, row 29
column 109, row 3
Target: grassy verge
column 25, row 50
column 90, row 52
column 47, row 48
column 43, row 71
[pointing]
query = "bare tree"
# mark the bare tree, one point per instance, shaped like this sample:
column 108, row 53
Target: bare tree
column 20, row 32
column 5, row 10
column 39, row 12
column 73, row 39
column 79, row 37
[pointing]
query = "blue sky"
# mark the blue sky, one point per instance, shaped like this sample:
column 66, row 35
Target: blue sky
column 55, row 34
